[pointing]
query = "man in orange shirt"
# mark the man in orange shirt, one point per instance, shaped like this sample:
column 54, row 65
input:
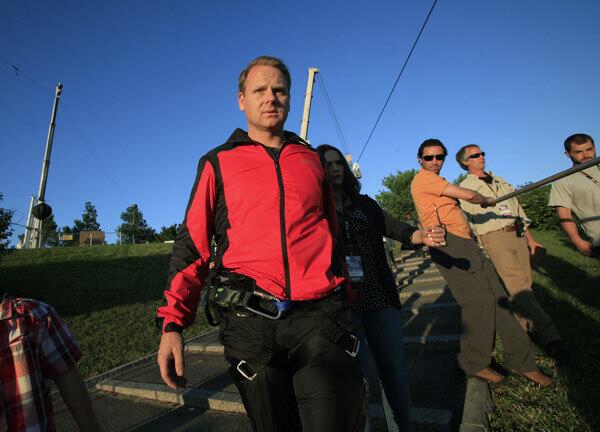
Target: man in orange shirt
column 471, row 276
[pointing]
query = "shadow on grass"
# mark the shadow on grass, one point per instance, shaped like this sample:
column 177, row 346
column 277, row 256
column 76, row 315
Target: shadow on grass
column 84, row 286
column 572, row 302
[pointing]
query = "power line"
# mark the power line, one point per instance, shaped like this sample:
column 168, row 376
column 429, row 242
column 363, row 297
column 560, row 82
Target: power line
column 329, row 104
column 397, row 79
column 86, row 139
column 19, row 72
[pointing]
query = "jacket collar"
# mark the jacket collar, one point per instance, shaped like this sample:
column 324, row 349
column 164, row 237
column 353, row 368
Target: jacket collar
column 240, row 136
column 474, row 177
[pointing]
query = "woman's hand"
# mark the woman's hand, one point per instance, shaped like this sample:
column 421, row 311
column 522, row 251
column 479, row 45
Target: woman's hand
column 434, row 236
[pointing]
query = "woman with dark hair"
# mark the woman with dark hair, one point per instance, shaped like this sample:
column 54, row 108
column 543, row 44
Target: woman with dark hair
column 376, row 310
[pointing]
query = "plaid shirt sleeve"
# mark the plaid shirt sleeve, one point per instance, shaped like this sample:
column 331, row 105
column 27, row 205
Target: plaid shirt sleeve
column 58, row 348
column 34, row 344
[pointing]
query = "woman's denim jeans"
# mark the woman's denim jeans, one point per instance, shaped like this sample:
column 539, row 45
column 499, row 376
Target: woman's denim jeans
column 382, row 331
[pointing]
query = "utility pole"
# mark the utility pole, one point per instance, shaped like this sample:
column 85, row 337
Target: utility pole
column 28, row 226
column 34, row 225
column 312, row 71
column 354, row 166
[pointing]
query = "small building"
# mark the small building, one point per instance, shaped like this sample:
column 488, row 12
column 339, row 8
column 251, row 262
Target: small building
column 88, row 238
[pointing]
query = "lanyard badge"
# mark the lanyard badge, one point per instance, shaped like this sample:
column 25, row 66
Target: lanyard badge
column 355, row 268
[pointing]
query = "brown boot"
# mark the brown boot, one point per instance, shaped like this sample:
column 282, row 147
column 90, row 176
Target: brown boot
column 537, row 377
column 489, row 375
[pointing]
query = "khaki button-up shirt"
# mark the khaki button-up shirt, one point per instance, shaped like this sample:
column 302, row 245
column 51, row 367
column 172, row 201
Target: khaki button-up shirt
column 485, row 220
column 582, row 195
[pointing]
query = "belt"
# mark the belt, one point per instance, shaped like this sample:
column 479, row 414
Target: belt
column 508, row 228
column 286, row 305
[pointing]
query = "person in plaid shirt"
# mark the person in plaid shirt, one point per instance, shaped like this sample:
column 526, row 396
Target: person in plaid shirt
column 36, row 345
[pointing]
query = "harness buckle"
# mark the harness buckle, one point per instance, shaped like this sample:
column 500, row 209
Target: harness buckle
column 244, row 369
column 355, row 347
column 264, row 314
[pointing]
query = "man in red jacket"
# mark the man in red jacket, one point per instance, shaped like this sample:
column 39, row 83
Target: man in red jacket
column 276, row 285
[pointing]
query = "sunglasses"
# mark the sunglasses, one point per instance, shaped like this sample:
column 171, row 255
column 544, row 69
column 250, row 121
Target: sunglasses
column 476, row 155
column 429, row 158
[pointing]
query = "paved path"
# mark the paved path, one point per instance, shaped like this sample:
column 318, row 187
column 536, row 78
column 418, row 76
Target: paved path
column 134, row 398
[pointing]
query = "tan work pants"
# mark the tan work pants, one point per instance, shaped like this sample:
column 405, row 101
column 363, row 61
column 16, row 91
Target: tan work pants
column 510, row 256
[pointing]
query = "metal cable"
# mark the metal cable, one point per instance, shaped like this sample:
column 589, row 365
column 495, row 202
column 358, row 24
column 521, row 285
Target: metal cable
column 397, row 79
column 329, row 104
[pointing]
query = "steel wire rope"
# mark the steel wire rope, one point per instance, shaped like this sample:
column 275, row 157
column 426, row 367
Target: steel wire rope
column 19, row 72
column 67, row 112
column 329, row 104
column 397, row 79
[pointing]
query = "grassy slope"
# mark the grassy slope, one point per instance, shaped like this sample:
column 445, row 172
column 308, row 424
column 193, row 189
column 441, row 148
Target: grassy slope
column 568, row 287
column 107, row 295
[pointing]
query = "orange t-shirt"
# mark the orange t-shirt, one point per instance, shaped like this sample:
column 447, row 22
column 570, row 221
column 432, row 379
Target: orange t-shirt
column 426, row 189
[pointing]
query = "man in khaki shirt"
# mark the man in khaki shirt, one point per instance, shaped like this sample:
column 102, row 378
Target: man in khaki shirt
column 508, row 245
column 579, row 193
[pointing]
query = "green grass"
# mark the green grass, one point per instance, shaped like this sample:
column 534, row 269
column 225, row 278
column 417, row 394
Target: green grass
column 107, row 295
column 568, row 287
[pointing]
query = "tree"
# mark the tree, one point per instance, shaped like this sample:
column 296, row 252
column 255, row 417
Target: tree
column 5, row 227
column 89, row 219
column 397, row 201
column 134, row 228
column 168, row 233
column 457, row 180
column 535, row 204
column 49, row 232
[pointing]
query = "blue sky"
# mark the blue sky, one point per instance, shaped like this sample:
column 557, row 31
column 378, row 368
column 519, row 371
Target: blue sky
column 149, row 87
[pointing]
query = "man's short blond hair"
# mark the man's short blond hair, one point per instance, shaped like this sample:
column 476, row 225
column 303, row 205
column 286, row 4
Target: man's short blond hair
column 460, row 156
column 265, row 61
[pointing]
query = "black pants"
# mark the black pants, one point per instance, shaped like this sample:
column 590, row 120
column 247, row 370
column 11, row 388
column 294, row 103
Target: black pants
column 474, row 283
column 304, row 380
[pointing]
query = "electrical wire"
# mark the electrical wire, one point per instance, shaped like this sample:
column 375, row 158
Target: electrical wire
column 397, row 79
column 19, row 72
column 86, row 140
column 329, row 104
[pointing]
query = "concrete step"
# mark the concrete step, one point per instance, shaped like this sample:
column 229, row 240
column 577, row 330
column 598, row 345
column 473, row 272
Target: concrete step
column 414, row 261
column 408, row 293
column 430, row 271
column 231, row 401
column 426, row 325
column 417, row 300
column 420, row 279
column 435, row 381
column 415, row 267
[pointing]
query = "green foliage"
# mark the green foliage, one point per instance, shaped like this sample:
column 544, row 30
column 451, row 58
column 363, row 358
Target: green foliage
column 535, row 204
column 49, row 232
column 397, row 200
column 460, row 178
column 168, row 233
column 134, row 228
column 5, row 227
column 89, row 219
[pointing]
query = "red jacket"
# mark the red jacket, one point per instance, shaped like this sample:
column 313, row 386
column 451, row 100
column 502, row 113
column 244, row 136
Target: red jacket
column 272, row 218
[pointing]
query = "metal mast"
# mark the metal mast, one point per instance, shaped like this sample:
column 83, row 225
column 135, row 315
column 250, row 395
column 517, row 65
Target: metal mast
column 312, row 71
column 33, row 233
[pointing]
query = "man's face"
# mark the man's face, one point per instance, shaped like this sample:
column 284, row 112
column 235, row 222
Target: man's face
column 334, row 168
column 265, row 99
column 581, row 153
column 474, row 164
column 436, row 154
